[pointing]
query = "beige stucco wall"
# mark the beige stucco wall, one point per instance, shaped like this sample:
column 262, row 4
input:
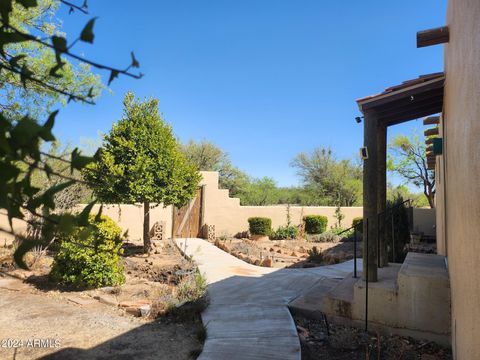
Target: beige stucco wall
column 230, row 218
column 424, row 221
column 130, row 218
column 462, row 177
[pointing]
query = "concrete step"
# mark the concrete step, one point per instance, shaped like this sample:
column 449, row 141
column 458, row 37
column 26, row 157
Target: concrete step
column 338, row 301
column 309, row 303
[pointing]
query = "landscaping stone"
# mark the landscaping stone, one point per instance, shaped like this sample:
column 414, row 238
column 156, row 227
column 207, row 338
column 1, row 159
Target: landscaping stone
column 266, row 263
column 106, row 299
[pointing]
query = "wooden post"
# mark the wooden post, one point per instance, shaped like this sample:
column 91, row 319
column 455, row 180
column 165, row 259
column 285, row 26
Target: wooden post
column 382, row 192
column 370, row 196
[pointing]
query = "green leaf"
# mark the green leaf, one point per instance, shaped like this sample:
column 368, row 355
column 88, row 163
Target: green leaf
column 113, row 75
column 25, row 75
column 83, row 216
column 98, row 217
column 48, row 170
column 19, row 254
column 78, row 161
column 53, row 70
column 59, row 43
column 5, row 10
column 14, row 60
column 66, row 223
column 135, row 62
column 27, row 3
column 46, row 131
column 24, row 132
column 87, row 32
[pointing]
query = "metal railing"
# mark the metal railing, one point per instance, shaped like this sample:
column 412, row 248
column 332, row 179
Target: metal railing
column 388, row 212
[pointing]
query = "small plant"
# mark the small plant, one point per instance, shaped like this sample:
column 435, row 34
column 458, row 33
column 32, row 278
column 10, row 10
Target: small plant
column 90, row 256
column 315, row 255
column 285, row 233
column 315, row 224
column 339, row 216
column 358, row 223
column 260, row 226
column 192, row 287
column 327, row 236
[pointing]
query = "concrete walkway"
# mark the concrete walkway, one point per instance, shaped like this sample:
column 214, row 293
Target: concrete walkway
column 248, row 317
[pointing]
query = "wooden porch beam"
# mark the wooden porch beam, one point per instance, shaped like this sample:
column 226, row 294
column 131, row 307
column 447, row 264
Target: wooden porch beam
column 434, row 36
column 431, row 120
column 431, row 132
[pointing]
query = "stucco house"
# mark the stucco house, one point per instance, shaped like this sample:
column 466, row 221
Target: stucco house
column 438, row 295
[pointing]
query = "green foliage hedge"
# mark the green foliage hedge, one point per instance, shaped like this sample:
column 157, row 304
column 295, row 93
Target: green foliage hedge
column 356, row 221
column 90, row 256
column 260, row 226
column 285, row 233
column 315, row 224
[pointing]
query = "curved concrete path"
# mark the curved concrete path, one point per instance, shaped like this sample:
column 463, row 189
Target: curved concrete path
column 248, row 317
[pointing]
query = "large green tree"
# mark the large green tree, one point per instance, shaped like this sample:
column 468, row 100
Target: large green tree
column 336, row 182
column 207, row 156
column 408, row 158
column 140, row 161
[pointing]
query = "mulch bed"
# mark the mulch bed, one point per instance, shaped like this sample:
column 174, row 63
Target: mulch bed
column 320, row 340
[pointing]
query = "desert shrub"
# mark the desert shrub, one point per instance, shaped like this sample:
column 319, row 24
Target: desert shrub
column 397, row 212
column 355, row 222
column 327, row 236
column 315, row 224
column 315, row 255
column 284, row 233
column 260, row 226
column 90, row 256
column 192, row 287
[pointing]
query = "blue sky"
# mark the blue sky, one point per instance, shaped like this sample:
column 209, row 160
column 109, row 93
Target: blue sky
column 263, row 79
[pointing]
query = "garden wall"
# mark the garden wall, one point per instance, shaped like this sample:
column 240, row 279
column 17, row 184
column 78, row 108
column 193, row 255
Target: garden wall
column 229, row 217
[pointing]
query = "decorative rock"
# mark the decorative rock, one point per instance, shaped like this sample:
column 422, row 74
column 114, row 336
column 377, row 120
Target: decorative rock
column 106, row 299
column 133, row 311
column 145, row 310
column 267, row 263
column 257, row 262
column 279, row 251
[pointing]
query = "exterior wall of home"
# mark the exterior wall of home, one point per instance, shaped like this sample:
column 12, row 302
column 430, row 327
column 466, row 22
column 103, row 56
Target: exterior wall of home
column 230, row 218
column 440, row 204
column 462, row 177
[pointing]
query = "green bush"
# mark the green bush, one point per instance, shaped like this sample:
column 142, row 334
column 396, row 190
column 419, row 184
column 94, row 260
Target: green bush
column 315, row 224
column 90, row 256
column 260, row 226
column 284, row 233
column 356, row 221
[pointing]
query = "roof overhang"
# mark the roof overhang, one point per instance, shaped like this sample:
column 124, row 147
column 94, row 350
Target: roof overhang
column 410, row 100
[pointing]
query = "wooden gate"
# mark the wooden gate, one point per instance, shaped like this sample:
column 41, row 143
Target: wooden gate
column 187, row 220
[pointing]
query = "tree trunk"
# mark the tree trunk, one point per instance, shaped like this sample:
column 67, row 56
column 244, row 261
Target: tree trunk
column 146, row 227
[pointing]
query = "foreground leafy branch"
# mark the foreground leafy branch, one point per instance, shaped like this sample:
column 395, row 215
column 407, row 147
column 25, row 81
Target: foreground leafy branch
column 22, row 135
